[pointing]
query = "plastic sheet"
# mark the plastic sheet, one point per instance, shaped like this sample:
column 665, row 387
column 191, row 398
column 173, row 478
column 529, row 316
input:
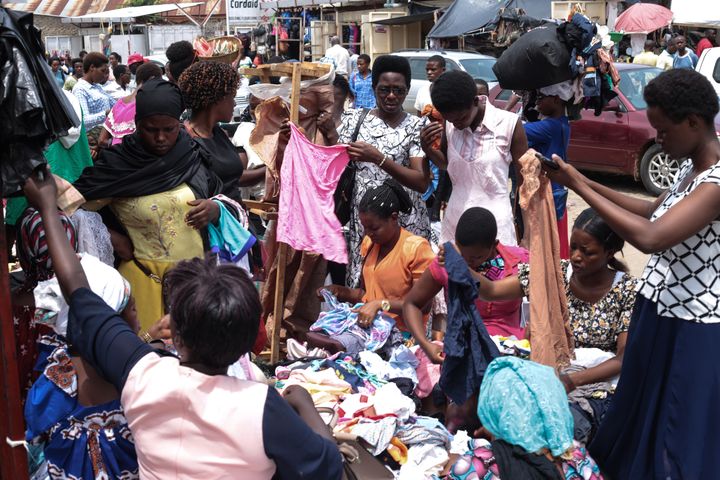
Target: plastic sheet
column 33, row 110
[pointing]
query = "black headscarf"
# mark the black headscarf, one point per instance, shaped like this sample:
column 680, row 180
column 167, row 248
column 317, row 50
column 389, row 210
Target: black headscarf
column 129, row 170
column 158, row 97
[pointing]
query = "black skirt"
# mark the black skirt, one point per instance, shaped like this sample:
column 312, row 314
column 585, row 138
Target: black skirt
column 664, row 420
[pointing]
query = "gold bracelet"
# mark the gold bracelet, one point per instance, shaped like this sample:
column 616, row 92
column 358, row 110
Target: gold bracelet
column 145, row 337
column 383, row 161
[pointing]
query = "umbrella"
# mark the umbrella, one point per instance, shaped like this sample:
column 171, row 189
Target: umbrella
column 643, row 18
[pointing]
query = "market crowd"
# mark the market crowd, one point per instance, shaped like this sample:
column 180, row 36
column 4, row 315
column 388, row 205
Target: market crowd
column 444, row 317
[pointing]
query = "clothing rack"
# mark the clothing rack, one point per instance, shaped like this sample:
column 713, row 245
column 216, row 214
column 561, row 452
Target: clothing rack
column 297, row 72
column 13, row 456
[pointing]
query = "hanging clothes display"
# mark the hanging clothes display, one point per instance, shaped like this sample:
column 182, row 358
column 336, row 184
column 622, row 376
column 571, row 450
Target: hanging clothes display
column 550, row 333
column 467, row 345
column 33, row 110
column 309, row 176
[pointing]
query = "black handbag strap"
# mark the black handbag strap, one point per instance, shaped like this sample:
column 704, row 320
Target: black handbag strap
column 353, row 137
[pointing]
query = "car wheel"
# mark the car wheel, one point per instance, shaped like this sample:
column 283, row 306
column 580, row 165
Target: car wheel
column 658, row 170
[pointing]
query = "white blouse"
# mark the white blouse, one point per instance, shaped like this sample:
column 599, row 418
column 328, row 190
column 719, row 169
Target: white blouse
column 684, row 280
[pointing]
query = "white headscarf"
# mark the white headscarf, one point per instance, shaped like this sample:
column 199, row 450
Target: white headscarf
column 564, row 90
column 106, row 282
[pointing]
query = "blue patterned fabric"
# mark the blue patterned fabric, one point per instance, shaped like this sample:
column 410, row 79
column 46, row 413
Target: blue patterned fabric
column 524, row 404
column 362, row 89
column 342, row 318
column 80, row 442
column 467, row 344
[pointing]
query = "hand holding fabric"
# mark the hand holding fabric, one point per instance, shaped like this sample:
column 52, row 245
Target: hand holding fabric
column 434, row 352
column 364, row 152
column 566, row 174
column 326, row 124
column 204, row 212
column 367, row 313
column 430, row 137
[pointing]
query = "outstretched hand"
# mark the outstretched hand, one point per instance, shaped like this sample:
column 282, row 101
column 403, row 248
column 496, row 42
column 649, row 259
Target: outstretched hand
column 41, row 190
column 565, row 174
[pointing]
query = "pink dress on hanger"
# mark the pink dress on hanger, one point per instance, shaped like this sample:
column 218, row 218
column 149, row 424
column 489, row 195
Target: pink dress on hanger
column 306, row 217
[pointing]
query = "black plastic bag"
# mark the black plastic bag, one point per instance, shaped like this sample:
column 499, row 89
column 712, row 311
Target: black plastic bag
column 537, row 59
column 33, row 109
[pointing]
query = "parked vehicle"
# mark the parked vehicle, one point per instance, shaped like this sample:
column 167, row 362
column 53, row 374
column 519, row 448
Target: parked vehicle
column 242, row 97
column 477, row 65
column 621, row 139
column 709, row 66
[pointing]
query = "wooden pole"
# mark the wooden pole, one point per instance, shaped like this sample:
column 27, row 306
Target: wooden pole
column 279, row 303
column 13, row 461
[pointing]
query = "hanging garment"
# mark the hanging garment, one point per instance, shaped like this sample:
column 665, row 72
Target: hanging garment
column 468, row 347
column 33, row 109
column 306, row 216
column 265, row 139
column 549, row 333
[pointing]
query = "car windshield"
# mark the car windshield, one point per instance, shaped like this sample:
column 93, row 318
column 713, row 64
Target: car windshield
column 633, row 83
column 480, row 68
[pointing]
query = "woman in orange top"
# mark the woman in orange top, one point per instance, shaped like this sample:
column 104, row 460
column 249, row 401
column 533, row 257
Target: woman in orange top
column 393, row 258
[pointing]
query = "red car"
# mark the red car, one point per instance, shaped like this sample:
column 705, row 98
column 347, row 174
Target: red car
column 619, row 140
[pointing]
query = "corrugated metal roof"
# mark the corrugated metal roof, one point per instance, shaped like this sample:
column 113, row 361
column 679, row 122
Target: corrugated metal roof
column 77, row 8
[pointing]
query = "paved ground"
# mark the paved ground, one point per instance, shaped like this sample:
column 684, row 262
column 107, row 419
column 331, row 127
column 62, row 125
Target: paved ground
column 634, row 258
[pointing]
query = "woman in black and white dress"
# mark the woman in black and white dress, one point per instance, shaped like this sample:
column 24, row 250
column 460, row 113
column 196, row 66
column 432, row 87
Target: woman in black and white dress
column 665, row 416
column 387, row 145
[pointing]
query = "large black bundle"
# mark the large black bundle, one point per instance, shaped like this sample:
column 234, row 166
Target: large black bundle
column 536, row 60
column 33, row 109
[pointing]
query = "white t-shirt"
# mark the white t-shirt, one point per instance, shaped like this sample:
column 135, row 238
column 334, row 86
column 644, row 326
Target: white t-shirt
column 341, row 57
column 423, row 97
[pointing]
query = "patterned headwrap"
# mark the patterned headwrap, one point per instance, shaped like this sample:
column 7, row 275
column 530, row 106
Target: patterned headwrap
column 32, row 247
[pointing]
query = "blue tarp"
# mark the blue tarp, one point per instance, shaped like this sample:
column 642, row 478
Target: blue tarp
column 465, row 16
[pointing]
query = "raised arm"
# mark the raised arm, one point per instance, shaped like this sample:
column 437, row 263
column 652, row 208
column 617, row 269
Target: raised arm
column 101, row 336
column 42, row 194
column 428, row 135
column 683, row 220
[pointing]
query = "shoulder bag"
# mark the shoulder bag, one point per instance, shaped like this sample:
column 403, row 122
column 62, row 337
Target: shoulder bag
column 346, row 185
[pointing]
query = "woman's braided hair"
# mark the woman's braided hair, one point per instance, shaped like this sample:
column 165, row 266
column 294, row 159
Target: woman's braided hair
column 204, row 84
column 388, row 198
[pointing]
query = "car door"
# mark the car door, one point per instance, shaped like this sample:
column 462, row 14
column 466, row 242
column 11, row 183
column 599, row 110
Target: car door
column 600, row 142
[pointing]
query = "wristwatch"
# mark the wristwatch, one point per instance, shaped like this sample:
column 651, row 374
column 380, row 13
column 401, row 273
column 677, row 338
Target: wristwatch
column 385, row 305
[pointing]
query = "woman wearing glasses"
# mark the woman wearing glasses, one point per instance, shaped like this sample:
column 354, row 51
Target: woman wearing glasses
column 388, row 145
column 479, row 143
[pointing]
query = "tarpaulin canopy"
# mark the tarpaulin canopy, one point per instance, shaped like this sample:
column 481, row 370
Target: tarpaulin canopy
column 465, row 16
column 696, row 12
